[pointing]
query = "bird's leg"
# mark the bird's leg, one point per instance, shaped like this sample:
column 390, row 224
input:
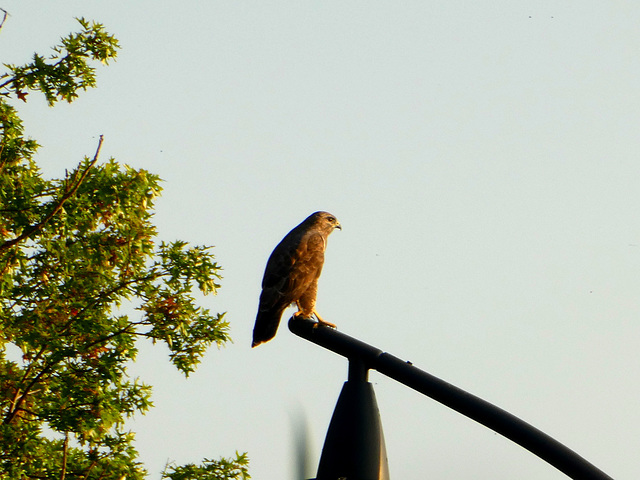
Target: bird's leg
column 321, row 321
column 308, row 311
column 301, row 312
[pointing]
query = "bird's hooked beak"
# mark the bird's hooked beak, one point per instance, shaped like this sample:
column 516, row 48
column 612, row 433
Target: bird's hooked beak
column 338, row 226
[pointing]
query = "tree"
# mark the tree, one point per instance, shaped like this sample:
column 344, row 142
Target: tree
column 74, row 252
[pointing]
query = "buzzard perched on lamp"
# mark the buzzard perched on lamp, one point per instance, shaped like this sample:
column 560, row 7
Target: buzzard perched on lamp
column 292, row 273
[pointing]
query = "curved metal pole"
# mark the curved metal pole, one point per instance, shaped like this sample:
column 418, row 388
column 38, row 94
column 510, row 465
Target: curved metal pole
column 498, row 420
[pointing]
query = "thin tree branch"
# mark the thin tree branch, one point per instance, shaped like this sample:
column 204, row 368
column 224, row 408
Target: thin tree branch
column 4, row 16
column 105, row 295
column 65, row 448
column 69, row 192
column 52, row 363
column 93, row 464
column 2, row 85
column 18, row 403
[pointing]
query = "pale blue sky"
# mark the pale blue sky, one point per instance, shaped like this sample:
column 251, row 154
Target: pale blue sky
column 482, row 158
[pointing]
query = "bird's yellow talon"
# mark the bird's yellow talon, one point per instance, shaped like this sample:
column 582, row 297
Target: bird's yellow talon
column 326, row 324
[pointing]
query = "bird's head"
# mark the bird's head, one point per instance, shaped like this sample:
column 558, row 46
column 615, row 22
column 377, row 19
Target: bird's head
column 325, row 221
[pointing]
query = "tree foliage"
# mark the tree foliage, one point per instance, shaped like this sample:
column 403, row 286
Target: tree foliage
column 67, row 70
column 210, row 469
column 77, row 255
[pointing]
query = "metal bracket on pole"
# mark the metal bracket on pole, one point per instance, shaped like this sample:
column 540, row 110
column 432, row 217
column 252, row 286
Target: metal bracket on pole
column 500, row 421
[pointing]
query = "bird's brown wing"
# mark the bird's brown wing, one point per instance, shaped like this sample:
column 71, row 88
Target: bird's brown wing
column 293, row 267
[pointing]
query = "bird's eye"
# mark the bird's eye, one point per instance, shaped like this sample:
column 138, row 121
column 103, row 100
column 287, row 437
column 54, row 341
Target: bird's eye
column 331, row 219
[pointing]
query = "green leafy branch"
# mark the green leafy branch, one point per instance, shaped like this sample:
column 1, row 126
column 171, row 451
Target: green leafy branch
column 223, row 469
column 71, row 187
column 67, row 70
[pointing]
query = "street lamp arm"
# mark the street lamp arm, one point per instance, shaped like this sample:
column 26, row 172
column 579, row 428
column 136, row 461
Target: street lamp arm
column 498, row 420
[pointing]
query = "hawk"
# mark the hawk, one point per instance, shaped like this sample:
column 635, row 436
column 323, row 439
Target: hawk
column 292, row 273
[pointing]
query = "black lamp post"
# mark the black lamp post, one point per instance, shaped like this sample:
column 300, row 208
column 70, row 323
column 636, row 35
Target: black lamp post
column 354, row 447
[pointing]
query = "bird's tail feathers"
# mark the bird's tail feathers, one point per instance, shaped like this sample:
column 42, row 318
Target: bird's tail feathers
column 266, row 326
